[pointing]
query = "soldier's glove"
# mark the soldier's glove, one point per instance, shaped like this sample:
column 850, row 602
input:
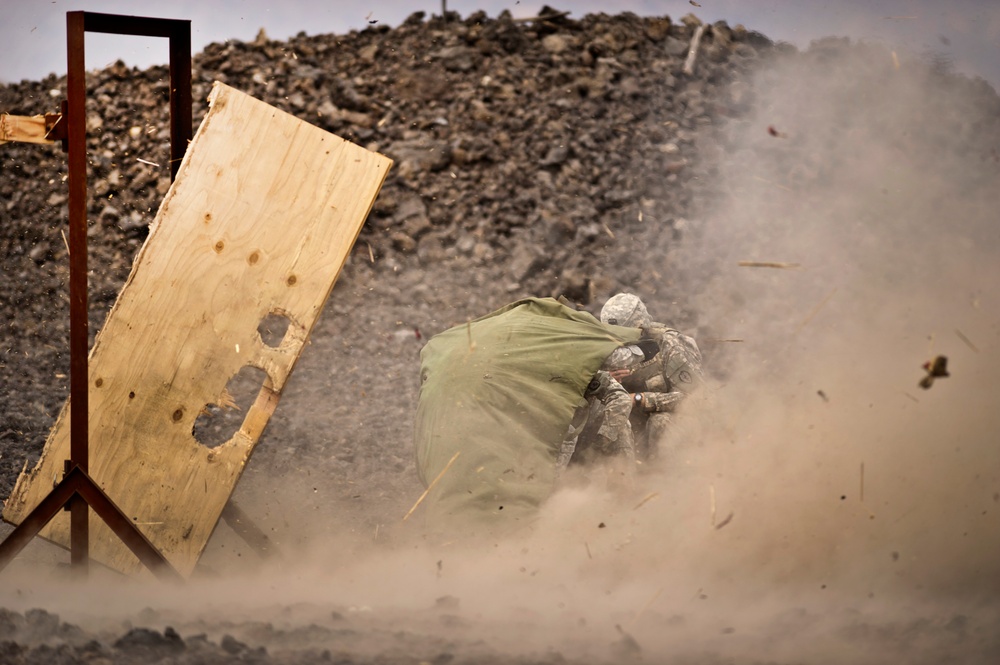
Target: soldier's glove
column 655, row 402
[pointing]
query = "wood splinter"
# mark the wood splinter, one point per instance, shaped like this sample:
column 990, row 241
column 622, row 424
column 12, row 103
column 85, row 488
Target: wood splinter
column 769, row 264
column 693, row 51
column 27, row 128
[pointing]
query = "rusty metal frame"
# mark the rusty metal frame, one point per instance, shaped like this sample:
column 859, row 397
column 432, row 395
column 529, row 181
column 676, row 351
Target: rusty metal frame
column 77, row 491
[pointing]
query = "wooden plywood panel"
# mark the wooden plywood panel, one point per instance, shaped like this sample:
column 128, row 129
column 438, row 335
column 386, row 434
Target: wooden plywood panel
column 27, row 129
column 259, row 221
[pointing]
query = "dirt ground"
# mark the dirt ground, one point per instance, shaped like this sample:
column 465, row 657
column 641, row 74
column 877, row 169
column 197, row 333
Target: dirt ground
column 822, row 222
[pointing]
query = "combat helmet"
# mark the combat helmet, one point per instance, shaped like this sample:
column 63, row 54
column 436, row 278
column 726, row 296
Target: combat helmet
column 625, row 309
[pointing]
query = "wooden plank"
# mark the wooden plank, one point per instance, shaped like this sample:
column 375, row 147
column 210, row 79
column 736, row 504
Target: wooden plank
column 260, row 220
column 24, row 128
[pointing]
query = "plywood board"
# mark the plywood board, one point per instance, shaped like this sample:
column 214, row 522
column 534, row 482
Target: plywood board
column 24, row 128
column 259, row 222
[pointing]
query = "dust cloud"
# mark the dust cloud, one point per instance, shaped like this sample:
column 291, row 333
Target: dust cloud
column 853, row 238
column 872, row 187
column 815, row 504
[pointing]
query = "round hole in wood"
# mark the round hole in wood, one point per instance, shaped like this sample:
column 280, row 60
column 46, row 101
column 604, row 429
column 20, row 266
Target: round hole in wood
column 272, row 329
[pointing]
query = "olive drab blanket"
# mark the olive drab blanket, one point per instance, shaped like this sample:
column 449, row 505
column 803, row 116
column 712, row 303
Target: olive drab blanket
column 500, row 392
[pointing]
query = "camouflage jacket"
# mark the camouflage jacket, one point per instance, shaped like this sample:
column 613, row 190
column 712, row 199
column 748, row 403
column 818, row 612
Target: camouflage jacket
column 661, row 381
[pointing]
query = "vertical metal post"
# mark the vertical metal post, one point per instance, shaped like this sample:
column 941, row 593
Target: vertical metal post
column 179, row 34
column 76, row 93
column 77, row 24
column 77, row 491
column 181, row 122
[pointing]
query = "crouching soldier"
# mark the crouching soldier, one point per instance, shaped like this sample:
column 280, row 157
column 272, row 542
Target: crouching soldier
column 654, row 374
column 658, row 382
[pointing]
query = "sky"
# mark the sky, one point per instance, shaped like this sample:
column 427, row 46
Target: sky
column 33, row 32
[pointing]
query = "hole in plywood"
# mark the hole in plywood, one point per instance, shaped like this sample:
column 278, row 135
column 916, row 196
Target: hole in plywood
column 217, row 423
column 272, row 329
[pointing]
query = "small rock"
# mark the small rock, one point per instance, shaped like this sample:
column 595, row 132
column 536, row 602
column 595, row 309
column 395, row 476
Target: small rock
column 555, row 43
column 231, row 645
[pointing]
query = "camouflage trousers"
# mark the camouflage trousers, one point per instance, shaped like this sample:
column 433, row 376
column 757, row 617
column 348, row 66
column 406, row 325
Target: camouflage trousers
column 602, row 428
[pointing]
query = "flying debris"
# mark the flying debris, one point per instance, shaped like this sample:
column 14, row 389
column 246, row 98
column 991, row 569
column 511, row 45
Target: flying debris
column 768, row 264
column 936, row 368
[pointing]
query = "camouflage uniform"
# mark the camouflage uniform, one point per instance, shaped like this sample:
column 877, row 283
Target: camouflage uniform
column 632, row 398
column 658, row 382
column 602, row 425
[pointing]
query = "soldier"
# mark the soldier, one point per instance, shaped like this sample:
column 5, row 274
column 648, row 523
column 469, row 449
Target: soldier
column 658, row 382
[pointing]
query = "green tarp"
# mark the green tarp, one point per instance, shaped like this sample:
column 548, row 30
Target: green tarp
column 500, row 391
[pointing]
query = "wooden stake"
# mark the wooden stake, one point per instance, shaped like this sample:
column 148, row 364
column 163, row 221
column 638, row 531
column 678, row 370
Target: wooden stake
column 693, row 52
column 815, row 311
column 711, row 493
column 967, row 341
column 649, row 497
column 468, row 328
column 431, row 486
column 768, row 264
column 862, row 482
column 648, row 603
column 539, row 19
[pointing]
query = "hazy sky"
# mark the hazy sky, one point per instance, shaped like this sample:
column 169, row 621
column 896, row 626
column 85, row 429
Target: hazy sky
column 34, row 31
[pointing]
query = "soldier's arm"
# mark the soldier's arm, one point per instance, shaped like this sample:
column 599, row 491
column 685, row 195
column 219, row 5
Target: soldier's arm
column 682, row 363
column 651, row 402
column 623, row 359
column 686, row 346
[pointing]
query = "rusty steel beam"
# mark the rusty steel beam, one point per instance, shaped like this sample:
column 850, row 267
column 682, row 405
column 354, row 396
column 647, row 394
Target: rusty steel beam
column 79, row 534
column 139, row 26
column 77, row 24
column 36, row 520
column 247, row 529
column 79, row 488
column 73, row 493
column 124, row 528
column 179, row 33
column 76, row 128
column 181, row 114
